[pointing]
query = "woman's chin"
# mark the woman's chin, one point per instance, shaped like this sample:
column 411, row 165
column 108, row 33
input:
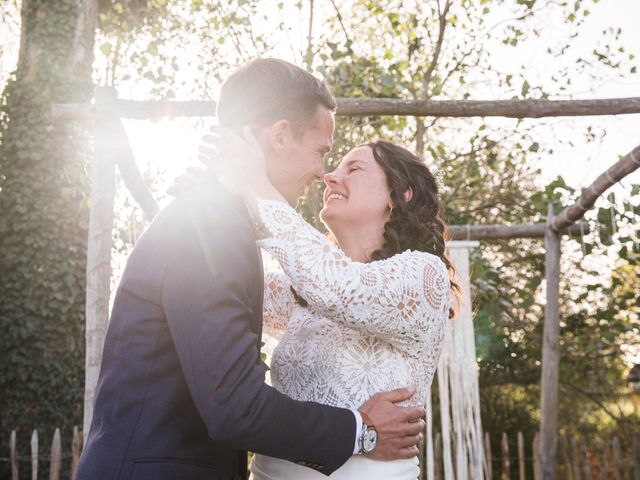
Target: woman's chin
column 332, row 217
column 322, row 213
column 327, row 214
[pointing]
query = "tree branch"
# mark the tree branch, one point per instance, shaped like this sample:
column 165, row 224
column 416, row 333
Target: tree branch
column 437, row 51
column 623, row 167
column 592, row 397
column 335, row 7
column 308, row 56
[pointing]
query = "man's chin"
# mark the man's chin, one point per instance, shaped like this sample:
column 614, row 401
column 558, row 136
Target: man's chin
column 292, row 199
column 299, row 195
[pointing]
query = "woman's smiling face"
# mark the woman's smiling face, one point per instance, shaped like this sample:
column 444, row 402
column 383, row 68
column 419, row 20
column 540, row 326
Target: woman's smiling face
column 357, row 191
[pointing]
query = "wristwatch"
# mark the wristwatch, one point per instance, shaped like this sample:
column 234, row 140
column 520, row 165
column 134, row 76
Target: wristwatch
column 368, row 435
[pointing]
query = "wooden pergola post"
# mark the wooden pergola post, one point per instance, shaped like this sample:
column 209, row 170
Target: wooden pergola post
column 550, row 354
column 99, row 247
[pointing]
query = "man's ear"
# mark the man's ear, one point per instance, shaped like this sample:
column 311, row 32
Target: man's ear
column 279, row 134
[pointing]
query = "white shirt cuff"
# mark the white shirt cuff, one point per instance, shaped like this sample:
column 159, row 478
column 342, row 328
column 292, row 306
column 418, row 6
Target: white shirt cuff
column 356, row 413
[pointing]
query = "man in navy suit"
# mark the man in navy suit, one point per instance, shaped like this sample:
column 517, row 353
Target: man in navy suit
column 181, row 393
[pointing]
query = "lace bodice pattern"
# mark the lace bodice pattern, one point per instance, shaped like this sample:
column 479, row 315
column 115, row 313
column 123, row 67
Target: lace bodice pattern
column 369, row 327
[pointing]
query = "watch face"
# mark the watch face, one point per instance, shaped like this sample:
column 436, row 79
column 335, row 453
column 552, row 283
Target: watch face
column 370, row 439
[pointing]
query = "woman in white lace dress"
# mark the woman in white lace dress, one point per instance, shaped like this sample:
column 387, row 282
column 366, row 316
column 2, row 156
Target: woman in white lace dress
column 363, row 316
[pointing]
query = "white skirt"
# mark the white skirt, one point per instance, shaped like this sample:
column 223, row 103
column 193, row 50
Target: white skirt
column 356, row 468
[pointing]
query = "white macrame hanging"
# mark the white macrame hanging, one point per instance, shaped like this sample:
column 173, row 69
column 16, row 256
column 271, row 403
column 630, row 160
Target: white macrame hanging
column 462, row 446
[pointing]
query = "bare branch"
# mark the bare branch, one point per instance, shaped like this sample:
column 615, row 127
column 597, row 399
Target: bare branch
column 436, row 53
column 442, row 20
column 309, row 54
column 335, row 7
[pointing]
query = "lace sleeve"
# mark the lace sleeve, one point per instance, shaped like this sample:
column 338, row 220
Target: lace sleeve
column 401, row 299
column 277, row 303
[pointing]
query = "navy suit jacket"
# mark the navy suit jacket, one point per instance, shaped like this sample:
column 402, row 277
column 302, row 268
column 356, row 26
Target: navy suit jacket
column 181, row 393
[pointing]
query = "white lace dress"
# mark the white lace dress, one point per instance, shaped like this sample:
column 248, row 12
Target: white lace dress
column 368, row 327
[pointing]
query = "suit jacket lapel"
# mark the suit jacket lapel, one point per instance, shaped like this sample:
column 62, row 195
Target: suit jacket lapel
column 257, row 315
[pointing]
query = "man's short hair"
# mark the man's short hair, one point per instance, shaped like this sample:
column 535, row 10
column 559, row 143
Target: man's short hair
column 266, row 90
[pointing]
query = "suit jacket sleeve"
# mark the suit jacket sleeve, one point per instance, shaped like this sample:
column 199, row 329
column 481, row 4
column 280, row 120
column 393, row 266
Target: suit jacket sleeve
column 206, row 298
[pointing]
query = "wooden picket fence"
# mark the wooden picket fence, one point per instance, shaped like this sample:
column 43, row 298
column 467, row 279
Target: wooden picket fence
column 576, row 460
column 55, row 457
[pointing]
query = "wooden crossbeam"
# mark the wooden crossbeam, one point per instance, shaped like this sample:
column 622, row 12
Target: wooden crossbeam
column 494, row 232
column 372, row 106
column 488, row 108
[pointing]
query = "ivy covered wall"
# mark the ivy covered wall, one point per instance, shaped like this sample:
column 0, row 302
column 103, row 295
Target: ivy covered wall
column 44, row 209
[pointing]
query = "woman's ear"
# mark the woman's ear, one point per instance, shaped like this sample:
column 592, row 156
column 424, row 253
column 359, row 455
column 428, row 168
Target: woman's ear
column 408, row 194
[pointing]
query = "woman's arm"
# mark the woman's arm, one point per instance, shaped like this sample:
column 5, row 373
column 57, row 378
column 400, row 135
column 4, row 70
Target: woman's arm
column 277, row 304
column 400, row 299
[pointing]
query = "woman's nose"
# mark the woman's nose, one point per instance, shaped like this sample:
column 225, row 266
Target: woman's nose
column 331, row 178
